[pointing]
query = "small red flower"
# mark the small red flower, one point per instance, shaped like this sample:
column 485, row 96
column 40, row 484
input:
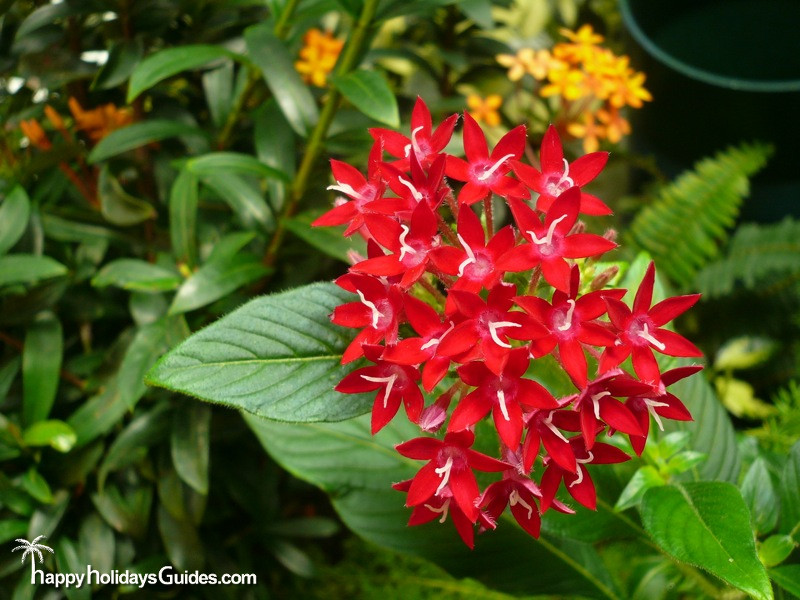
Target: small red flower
column 520, row 494
column 483, row 173
column 641, row 330
column 395, row 383
column 450, row 464
column 557, row 175
column 551, row 242
column 424, row 141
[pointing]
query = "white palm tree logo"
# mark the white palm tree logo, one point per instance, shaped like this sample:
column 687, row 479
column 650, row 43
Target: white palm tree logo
column 34, row 549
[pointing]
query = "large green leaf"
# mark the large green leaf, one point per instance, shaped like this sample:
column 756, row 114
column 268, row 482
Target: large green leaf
column 707, row 524
column 214, row 162
column 244, row 198
column 41, row 364
column 171, row 61
column 28, row 268
column 277, row 68
column 760, row 496
column 790, row 493
column 369, row 92
column 135, row 274
column 140, row 134
column 14, row 213
column 788, row 577
column 357, row 470
column 277, row 356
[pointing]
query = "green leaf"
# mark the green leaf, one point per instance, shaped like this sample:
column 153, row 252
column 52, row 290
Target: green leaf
column 97, row 543
column 291, row 557
column 69, row 560
column 218, row 87
column 790, row 492
column 45, row 15
column 181, row 541
column 183, row 201
column 37, row 486
column 788, row 577
column 117, row 205
column 137, row 275
column 307, row 527
column 28, row 269
column 136, row 135
column 760, row 496
column 244, row 199
column 171, row 61
column 707, row 524
column 277, row 356
column 190, row 444
column 326, row 239
column 132, row 443
column 41, row 365
column 12, row 528
column 357, row 470
column 775, row 549
column 216, row 279
column 480, row 11
column 53, row 433
column 127, row 514
column 272, row 136
column 369, row 92
column 14, row 213
column 98, row 414
column 122, row 59
column 277, row 68
column 645, row 478
column 216, row 162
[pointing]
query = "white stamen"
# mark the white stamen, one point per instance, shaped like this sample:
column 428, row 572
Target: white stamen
column 405, row 248
column 444, row 473
column 514, row 499
column 548, row 239
column 470, row 256
column 489, row 172
column 501, row 398
column 493, row 327
column 554, row 189
column 581, row 461
column 646, row 335
column 568, row 321
column 549, row 423
column 651, row 408
column 389, row 381
column 414, row 192
column 376, row 314
column 442, row 510
column 347, row 190
column 596, row 404
column 406, row 152
column 435, row 341
column 414, row 138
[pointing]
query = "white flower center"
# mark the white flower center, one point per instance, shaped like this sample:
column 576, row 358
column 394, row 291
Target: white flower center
column 646, row 335
column 651, row 408
column 376, row 314
column 568, row 317
column 389, row 381
column 494, row 326
column 581, row 461
column 548, row 239
column 442, row 510
column 491, row 171
column 501, row 399
column 444, row 473
column 514, row 498
column 555, row 188
column 549, row 424
column 414, row 191
column 596, row 403
column 435, row 341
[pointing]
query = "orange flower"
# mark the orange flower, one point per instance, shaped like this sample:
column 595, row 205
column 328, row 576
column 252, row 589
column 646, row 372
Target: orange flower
column 485, row 110
column 318, row 56
column 99, row 122
column 589, row 130
column 32, row 130
column 527, row 60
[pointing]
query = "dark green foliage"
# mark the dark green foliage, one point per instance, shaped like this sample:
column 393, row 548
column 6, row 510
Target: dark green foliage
column 688, row 218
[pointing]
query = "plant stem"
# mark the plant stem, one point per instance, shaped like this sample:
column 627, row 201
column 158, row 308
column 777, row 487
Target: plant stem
column 253, row 77
column 347, row 63
column 487, row 212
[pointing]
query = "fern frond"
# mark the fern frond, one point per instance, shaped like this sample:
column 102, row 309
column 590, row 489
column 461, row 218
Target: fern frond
column 683, row 227
column 757, row 255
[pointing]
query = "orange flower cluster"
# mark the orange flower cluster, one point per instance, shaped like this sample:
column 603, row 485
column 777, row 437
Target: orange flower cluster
column 318, row 56
column 99, row 122
column 484, row 110
column 593, row 83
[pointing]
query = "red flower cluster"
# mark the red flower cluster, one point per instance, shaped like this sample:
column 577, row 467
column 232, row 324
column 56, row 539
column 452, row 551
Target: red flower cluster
column 433, row 301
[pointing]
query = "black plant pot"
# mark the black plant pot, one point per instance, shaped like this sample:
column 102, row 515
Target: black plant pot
column 721, row 72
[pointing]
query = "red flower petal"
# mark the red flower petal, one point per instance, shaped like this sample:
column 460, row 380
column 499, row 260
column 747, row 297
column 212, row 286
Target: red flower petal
column 584, row 245
column 675, row 344
column 551, row 154
column 666, row 310
column 421, row 448
column 587, row 167
column 472, row 408
column 644, row 295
